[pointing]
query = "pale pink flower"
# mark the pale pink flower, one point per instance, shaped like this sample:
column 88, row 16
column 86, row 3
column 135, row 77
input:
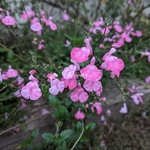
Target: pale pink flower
column 65, row 16
column 28, row 14
column 137, row 98
column 41, row 45
column 34, row 20
column 8, row 21
column 0, row 75
column 70, row 83
column 102, row 99
column 79, row 95
column 51, row 76
column 114, row 64
column 91, row 86
column 45, row 112
column 67, row 43
column 138, row 33
column 1, row 17
column 88, row 45
column 20, row 80
column 91, row 73
column 11, row 72
column 36, row 27
column 80, row 54
column 23, row 104
column 105, row 30
column 98, row 107
column 31, row 91
column 17, row 93
column 108, row 112
column 32, row 72
column 132, row 58
column 101, row 45
column 4, row 76
column 79, row 115
column 147, row 80
column 1, row 9
column 124, row 109
column 69, row 71
column 56, row 86
column 118, row 28
column 32, row 78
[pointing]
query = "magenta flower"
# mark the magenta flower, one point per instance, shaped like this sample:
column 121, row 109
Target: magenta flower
column 88, row 45
column 79, row 95
column 56, row 86
column 36, row 27
column 80, row 54
column 31, row 91
column 91, row 73
column 98, row 107
column 79, row 115
column 8, row 21
column 29, row 13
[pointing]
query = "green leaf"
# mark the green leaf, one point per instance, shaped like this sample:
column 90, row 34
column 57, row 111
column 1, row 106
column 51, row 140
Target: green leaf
column 49, row 137
column 25, row 143
column 66, row 133
column 53, row 100
column 35, row 133
column 79, row 125
column 90, row 126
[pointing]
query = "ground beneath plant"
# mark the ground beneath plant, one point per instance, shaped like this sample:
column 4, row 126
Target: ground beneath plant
column 126, row 132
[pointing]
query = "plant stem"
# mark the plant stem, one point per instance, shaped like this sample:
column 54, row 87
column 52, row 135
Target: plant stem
column 78, row 137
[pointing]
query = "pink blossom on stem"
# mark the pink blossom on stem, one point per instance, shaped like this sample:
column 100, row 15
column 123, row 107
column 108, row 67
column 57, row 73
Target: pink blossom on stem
column 56, row 86
column 29, row 13
column 137, row 98
column 69, row 71
column 51, row 76
column 91, row 86
column 79, row 95
column 132, row 58
column 70, row 83
column 65, row 16
column 31, row 91
column 11, row 72
column 79, row 115
column 67, row 43
column 80, row 54
column 88, row 45
column 45, row 112
column 91, row 73
column 32, row 72
column 36, row 27
column 98, row 107
column 8, row 21
column 147, row 80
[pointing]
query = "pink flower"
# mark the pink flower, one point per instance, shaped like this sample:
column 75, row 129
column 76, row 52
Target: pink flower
column 23, row 104
column 69, row 71
column 91, row 86
column 20, row 80
column 8, row 21
column 44, row 112
column 98, row 107
column 65, row 16
column 80, row 54
column 118, row 28
column 137, row 98
column 67, row 43
column 32, row 72
column 11, row 72
column 36, row 27
column 79, row 115
column 88, row 45
column 17, row 93
column 132, row 58
column 79, row 95
column 31, row 91
column 123, row 109
column 91, row 73
column 56, row 86
column 147, row 80
column 115, row 65
column 51, row 76
column 70, row 83
column 29, row 13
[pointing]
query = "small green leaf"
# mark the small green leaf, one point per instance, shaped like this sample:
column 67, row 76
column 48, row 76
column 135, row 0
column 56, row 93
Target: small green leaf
column 79, row 125
column 35, row 133
column 90, row 126
column 49, row 137
column 66, row 133
column 25, row 143
column 53, row 100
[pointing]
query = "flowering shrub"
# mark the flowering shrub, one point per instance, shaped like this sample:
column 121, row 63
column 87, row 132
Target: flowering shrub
column 70, row 73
